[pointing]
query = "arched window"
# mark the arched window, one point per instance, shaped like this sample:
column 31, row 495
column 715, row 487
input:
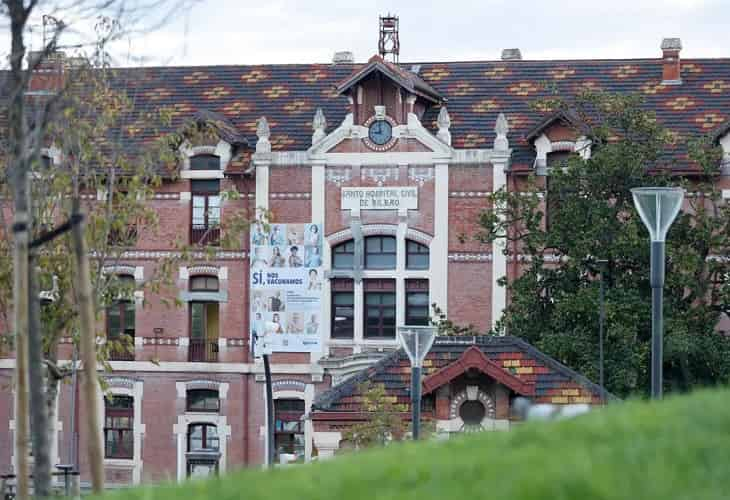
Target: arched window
column 204, row 321
column 206, row 400
column 120, row 320
column 417, row 255
column 203, row 437
column 206, row 212
column 289, row 433
column 205, row 162
column 343, row 255
column 119, row 427
column 380, row 252
column 203, row 284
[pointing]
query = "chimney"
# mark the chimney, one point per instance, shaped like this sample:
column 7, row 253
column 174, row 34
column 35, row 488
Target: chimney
column 670, row 61
column 344, row 57
column 47, row 76
column 511, row 55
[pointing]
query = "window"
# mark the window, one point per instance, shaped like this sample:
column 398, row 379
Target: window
column 472, row 413
column 123, row 229
column 416, row 255
column 559, row 159
column 119, row 427
column 343, row 309
column 380, row 252
column 379, row 309
column 203, row 437
column 289, row 428
column 120, row 320
column 343, row 255
column 205, row 162
column 203, row 400
column 417, row 307
column 203, row 284
column 206, row 213
column 204, row 325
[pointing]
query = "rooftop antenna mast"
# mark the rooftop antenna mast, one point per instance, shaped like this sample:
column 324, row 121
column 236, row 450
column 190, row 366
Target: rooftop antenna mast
column 50, row 26
column 389, row 42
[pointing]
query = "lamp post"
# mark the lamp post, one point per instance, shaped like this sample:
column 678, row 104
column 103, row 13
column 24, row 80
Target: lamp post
column 416, row 341
column 601, row 325
column 657, row 207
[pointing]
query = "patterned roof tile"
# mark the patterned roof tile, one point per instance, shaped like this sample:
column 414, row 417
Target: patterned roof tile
column 476, row 93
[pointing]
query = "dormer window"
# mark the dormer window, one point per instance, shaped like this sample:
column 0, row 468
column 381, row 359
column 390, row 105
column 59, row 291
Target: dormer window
column 205, row 162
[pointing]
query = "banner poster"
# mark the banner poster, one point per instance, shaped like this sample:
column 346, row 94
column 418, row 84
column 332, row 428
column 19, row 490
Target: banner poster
column 286, row 287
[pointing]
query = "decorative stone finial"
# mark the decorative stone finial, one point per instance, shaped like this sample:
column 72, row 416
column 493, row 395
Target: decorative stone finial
column 263, row 133
column 379, row 112
column 501, row 128
column 319, row 124
column 444, row 122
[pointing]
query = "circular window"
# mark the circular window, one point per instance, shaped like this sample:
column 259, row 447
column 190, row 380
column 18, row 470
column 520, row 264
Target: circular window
column 472, row 413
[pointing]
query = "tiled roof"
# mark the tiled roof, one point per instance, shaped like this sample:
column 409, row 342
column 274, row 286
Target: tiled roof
column 553, row 382
column 476, row 92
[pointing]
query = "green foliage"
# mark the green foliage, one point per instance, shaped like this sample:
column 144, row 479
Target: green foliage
column 446, row 327
column 554, row 303
column 384, row 422
column 676, row 449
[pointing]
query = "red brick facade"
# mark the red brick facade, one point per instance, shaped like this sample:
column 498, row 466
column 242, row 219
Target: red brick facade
column 454, row 163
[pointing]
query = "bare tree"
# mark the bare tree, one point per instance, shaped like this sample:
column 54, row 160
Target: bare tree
column 24, row 143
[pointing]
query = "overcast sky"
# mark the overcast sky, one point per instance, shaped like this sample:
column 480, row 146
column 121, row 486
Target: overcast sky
column 276, row 31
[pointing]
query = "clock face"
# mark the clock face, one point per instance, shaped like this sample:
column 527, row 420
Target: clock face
column 380, row 132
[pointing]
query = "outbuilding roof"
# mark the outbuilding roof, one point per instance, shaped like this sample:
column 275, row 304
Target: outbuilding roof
column 509, row 360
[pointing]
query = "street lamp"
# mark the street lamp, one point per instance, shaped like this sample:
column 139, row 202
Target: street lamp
column 658, row 207
column 416, row 341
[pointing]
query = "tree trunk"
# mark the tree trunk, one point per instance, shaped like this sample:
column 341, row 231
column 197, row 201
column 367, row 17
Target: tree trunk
column 19, row 185
column 39, row 422
column 88, row 350
column 51, row 409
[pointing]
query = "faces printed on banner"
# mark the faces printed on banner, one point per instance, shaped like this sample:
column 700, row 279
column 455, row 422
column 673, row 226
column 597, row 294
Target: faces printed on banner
column 312, row 257
column 260, row 301
column 258, row 325
column 314, row 282
column 295, row 234
column 312, row 237
column 312, row 326
column 274, row 323
column 259, row 236
column 295, row 257
column 276, row 301
column 277, row 237
column 277, row 257
column 261, row 257
column 295, row 324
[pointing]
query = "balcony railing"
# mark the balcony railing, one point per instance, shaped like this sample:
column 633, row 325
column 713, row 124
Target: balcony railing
column 205, row 235
column 121, row 354
column 202, row 350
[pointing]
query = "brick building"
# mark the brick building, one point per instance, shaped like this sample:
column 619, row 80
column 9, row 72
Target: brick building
column 391, row 164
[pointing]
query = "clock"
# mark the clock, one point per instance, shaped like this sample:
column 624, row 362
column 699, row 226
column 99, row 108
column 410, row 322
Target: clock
column 380, row 132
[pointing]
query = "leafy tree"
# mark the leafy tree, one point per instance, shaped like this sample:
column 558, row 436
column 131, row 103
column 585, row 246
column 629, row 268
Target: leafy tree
column 554, row 302
column 384, row 422
column 89, row 122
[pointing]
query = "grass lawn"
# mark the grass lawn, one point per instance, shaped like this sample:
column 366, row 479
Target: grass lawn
column 679, row 448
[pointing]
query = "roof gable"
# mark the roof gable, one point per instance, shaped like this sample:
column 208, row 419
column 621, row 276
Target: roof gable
column 560, row 116
column 406, row 79
column 520, row 366
column 475, row 359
